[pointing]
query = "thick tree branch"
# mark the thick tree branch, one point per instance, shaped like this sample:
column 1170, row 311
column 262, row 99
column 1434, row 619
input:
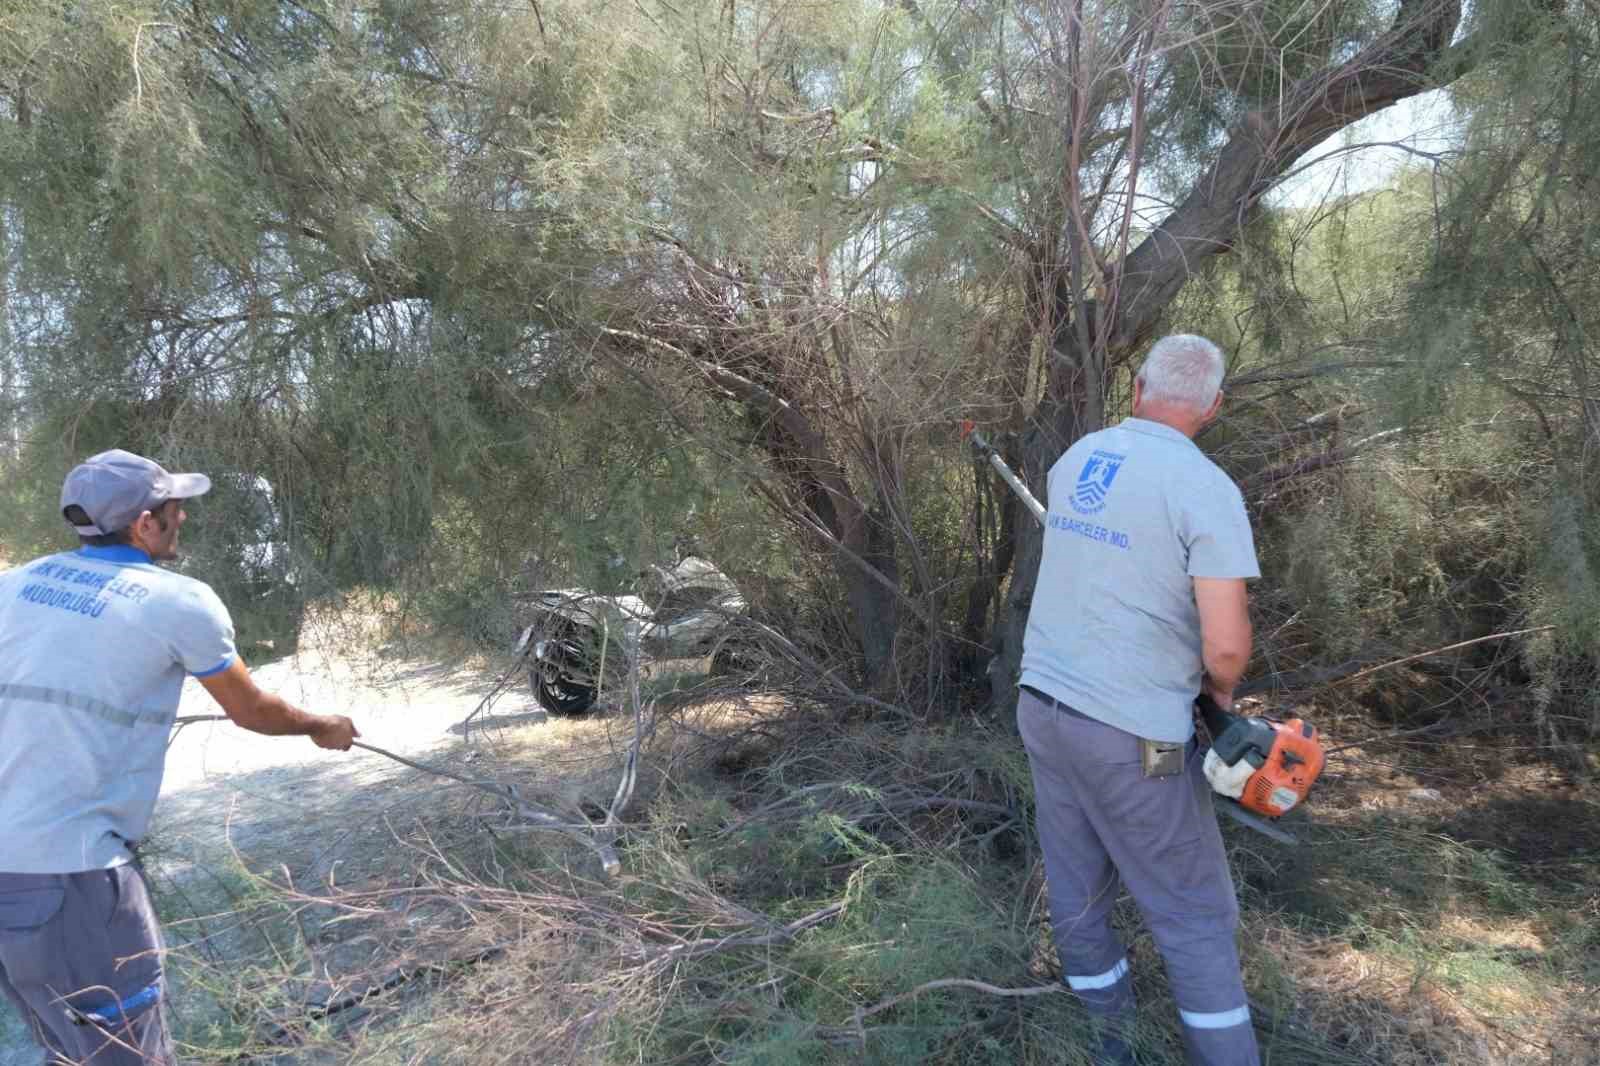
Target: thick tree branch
column 1267, row 142
column 1267, row 478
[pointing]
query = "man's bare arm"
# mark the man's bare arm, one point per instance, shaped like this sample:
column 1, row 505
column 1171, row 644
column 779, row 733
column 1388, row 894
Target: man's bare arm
column 262, row 712
column 1225, row 633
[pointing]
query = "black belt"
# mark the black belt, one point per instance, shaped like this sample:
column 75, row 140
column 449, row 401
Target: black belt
column 1067, row 708
column 1045, row 697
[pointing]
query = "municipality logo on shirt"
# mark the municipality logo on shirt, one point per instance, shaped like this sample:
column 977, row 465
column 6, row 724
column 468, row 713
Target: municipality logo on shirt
column 1094, row 481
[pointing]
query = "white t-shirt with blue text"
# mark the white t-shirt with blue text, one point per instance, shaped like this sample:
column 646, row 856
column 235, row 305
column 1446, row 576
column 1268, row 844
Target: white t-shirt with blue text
column 1136, row 512
column 94, row 647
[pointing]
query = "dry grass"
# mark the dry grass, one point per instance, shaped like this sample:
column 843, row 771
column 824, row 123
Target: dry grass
column 800, row 886
column 1444, row 909
column 424, row 879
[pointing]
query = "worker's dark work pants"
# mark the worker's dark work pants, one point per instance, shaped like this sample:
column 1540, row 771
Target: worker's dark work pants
column 76, row 944
column 1103, row 826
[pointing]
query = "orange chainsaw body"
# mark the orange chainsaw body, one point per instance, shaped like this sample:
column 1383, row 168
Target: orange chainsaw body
column 1290, row 768
column 1285, row 757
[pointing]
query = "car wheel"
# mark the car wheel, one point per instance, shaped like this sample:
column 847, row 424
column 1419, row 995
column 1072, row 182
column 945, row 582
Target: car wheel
column 559, row 679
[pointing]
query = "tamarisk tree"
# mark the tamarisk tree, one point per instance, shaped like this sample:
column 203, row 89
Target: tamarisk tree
column 818, row 233
column 974, row 209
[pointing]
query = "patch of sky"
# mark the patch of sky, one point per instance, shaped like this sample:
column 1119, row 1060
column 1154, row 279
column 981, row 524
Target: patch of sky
column 1422, row 131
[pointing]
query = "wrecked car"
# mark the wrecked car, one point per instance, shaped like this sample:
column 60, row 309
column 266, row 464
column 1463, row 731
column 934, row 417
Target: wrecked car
column 578, row 642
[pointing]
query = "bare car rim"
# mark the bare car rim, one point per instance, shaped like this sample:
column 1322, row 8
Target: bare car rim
column 558, row 679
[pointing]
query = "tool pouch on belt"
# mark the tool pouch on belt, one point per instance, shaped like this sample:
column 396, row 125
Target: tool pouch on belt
column 1161, row 758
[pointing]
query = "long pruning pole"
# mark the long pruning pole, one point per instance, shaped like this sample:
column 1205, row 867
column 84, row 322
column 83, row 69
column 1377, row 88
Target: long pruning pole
column 985, row 449
column 1224, row 805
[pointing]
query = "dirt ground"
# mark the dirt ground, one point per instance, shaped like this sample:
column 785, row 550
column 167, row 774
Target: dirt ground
column 233, row 801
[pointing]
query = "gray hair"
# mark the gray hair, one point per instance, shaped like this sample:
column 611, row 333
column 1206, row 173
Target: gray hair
column 1183, row 369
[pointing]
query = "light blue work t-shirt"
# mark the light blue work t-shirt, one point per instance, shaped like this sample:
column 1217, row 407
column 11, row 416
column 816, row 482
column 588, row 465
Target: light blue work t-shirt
column 94, row 647
column 1136, row 513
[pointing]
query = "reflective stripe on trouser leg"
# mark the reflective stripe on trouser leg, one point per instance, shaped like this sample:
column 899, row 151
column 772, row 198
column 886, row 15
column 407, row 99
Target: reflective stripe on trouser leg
column 1220, row 1038
column 1161, row 836
column 1095, row 982
column 1108, row 998
column 1110, row 992
column 1079, row 875
column 1221, row 1019
column 1203, row 969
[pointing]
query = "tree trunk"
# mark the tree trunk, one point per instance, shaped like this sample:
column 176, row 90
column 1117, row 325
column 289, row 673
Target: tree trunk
column 874, row 606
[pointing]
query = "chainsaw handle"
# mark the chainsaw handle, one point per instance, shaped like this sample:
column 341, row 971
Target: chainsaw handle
column 1216, row 719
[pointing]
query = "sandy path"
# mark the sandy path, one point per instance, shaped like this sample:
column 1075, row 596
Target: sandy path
column 404, row 705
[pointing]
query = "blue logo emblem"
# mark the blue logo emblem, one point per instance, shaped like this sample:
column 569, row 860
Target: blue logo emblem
column 1094, row 482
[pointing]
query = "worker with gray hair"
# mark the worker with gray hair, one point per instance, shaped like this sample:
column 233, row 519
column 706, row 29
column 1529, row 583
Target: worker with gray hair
column 1140, row 605
column 94, row 648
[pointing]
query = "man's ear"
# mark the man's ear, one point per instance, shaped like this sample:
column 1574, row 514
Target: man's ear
column 139, row 532
column 1138, row 395
column 1216, row 405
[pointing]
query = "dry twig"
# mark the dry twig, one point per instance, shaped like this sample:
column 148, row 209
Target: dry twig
column 536, row 816
column 694, row 949
column 863, row 1013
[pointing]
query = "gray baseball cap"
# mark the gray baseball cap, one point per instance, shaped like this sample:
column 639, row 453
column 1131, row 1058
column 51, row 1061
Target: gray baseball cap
column 116, row 487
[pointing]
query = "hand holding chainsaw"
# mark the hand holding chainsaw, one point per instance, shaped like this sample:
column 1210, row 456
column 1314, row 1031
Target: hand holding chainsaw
column 1222, row 697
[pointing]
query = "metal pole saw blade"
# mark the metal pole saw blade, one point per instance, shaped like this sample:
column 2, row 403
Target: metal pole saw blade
column 1253, row 821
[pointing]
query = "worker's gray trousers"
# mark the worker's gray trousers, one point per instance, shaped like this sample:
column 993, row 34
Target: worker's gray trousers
column 1104, row 826
column 80, row 960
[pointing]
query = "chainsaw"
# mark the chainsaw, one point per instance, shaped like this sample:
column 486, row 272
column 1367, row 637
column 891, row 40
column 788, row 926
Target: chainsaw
column 1257, row 766
column 1267, row 765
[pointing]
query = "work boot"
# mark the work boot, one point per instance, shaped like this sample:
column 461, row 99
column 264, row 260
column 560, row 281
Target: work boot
column 1110, row 1043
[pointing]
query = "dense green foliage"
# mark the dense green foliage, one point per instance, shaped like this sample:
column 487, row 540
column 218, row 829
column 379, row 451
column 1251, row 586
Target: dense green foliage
column 498, row 296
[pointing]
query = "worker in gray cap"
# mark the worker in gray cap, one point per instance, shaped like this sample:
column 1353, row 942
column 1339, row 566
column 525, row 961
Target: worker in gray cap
column 94, row 648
